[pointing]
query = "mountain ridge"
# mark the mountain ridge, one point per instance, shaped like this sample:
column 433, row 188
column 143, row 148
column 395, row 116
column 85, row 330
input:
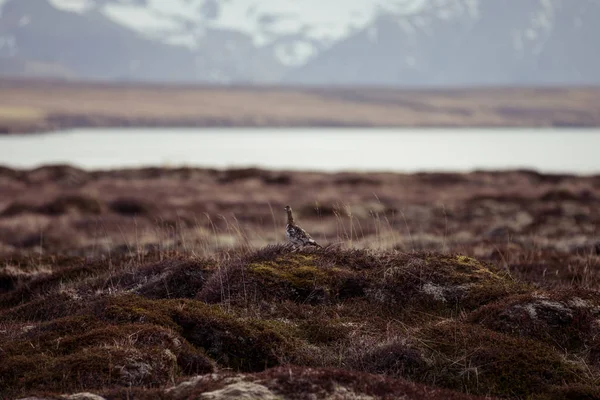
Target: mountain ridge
column 435, row 43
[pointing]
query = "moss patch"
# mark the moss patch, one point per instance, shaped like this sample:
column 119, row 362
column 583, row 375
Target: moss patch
column 278, row 275
column 440, row 284
column 241, row 344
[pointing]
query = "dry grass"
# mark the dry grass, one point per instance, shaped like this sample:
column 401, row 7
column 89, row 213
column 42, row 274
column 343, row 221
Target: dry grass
column 126, row 283
column 12, row 113
column 543, row 229
column 66, row 105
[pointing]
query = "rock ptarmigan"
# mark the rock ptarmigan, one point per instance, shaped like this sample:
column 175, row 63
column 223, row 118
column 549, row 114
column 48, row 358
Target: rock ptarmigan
column 296, row 235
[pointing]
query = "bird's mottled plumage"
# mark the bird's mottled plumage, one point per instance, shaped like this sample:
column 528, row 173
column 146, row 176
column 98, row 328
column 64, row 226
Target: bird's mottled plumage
column 296, row 235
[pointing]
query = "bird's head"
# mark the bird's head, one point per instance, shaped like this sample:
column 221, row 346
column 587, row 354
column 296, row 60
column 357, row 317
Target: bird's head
column 288, row 208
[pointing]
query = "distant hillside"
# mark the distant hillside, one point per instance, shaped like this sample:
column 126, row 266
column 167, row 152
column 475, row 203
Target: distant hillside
column 358, row 42
column 49, row 106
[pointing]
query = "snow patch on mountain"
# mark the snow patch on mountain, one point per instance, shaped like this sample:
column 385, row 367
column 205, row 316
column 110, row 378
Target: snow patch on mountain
column 295, row 30
column 77, row 6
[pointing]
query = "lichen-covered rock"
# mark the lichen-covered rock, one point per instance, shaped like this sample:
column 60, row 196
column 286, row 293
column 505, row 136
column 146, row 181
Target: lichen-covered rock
column 242, row 391
column 84, row 396
column 300, row 383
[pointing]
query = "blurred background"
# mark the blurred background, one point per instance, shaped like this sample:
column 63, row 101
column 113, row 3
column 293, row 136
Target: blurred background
column 392, row 43
column 445, row 65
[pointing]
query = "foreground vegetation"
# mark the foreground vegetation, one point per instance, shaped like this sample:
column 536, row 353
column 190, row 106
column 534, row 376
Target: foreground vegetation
column 131, row 327
column 431, row 286
column 46, row 106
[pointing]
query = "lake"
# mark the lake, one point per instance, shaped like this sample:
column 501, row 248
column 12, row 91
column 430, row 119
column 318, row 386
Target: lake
column 327, row 149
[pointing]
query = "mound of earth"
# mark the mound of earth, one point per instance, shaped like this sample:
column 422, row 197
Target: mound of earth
column 280, row 324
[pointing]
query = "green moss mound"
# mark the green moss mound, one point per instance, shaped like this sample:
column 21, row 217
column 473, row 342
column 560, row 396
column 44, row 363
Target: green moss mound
column 143, row 322
column 77, row 352
column 397, row 281
column 237, row 343
column 441, row 284
column 277, row 273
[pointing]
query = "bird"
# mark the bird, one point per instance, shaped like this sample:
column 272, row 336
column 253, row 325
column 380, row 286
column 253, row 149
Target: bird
column 297, row 236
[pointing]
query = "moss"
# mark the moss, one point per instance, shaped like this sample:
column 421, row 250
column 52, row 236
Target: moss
column 135, row 309
column 440, row 284
column 473, row 359
column 298, row 274
column 42, row 309
column 85, row 352
column 241, row 344
column 286, row 276
column 91, row 369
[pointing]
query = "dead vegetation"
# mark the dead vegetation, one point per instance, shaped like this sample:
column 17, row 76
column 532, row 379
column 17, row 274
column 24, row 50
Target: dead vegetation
column 437, row 320
column 160, row 283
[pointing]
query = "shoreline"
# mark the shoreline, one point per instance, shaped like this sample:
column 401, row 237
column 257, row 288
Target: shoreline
column 38, row 107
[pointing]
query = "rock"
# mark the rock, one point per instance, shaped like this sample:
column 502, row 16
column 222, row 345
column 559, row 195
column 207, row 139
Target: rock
column 242, row 390
column 84, row 396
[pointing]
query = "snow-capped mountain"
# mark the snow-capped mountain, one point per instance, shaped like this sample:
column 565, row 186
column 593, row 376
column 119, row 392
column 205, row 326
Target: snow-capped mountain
column 386, row 42
column 474, row 43
column 294, row 30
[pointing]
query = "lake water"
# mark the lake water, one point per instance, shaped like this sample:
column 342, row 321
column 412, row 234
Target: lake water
column 404, row 150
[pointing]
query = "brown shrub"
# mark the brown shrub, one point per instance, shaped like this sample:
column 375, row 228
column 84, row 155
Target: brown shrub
column 61, row 174
column 558, row 195
column 18, row 208
column 277, row 179
column 129, row 207
column 353, row 179
column 71, row 203
column 234, row 175
column 476, row 360
column 396, row 358
column 174, row 277
column 437, row 178
column 11, row 173
column 60, row 205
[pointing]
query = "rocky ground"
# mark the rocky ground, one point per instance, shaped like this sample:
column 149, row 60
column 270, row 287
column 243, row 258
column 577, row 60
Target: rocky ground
column 173, row 284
